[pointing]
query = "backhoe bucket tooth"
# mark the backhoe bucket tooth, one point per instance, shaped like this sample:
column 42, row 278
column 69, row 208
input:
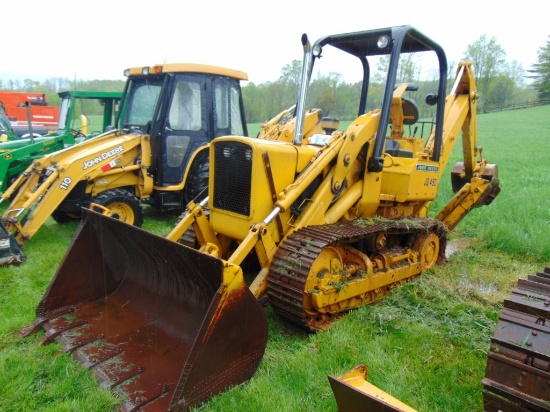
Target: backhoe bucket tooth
column 163, row 325
column 10, row 251
column 354, row 394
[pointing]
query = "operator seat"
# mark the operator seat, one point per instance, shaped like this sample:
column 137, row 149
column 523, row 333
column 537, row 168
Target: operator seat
column 408, row 117
column 410, row 111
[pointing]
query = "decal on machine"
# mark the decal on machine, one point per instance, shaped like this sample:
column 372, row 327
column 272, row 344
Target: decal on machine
column 103, row 156
column 110, row 165
column 65, row 183
column 427, row 168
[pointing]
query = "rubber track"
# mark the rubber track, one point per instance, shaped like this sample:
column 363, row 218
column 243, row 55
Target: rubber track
column 189, row 238
column 517, row 375
column 290, row 267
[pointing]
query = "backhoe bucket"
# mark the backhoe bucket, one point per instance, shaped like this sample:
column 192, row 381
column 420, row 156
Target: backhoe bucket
column 165, row 326
column 10, row 251
column 354, row 394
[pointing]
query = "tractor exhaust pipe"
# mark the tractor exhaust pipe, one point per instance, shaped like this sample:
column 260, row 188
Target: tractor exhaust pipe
column 302, row 95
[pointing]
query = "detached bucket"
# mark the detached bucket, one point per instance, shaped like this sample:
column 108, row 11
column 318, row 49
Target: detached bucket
column 10, row 251
column 164, row 325
column 354, row 394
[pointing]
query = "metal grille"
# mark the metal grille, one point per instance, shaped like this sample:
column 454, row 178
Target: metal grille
column 232, row 177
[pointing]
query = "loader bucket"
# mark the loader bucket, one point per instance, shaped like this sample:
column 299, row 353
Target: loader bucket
column 165, row 326
column 354, row 394
column 10, row 251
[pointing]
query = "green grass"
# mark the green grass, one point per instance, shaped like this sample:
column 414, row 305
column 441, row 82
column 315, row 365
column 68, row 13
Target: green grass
column 518, row 222
column 425, row 343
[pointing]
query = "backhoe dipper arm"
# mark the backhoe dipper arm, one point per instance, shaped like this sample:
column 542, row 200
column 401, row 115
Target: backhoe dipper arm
column 460, row 115
column 474, row 181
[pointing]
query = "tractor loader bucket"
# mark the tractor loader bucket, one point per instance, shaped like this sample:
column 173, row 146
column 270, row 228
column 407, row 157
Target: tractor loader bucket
column 165, row 326
column 10, row 251
column 354, row 394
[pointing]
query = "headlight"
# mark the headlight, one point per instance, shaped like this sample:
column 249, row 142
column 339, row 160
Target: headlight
column 383, row 41
column 317, row 50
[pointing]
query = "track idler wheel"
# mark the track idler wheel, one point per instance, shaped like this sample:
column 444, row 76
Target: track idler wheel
column 427, row 246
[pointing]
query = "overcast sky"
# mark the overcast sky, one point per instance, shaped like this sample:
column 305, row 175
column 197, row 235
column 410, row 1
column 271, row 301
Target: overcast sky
column 98, row 39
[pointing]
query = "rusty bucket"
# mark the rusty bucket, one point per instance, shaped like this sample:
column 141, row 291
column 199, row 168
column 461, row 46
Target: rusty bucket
column 165, row 326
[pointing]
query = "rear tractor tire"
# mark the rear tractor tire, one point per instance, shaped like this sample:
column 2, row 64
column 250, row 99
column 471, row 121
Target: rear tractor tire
column 197, row 180
column 123, row 205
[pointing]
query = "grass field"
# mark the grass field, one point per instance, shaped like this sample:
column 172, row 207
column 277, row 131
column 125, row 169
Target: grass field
column 425, row 343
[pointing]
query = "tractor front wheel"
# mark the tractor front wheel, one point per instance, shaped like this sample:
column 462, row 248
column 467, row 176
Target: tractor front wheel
column 122, row 204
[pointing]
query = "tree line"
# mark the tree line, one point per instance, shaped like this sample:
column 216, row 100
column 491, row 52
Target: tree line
column 500, row 83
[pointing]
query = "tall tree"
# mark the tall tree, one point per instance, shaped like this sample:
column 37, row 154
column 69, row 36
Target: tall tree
column 291, row 73
column 29, row 84
column 516, row 72
column 488, row 58
column 540, row 72
column 323, row 93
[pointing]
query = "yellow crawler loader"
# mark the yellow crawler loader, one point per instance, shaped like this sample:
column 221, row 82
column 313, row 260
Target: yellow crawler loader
column 157, row 155
column 331, row 220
